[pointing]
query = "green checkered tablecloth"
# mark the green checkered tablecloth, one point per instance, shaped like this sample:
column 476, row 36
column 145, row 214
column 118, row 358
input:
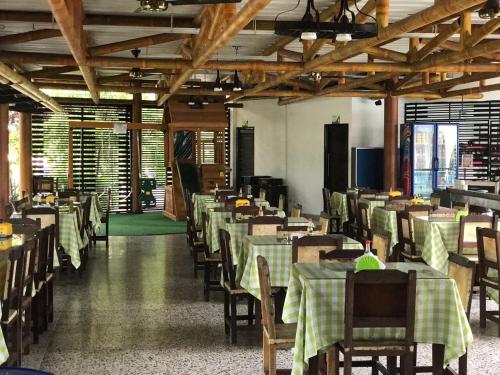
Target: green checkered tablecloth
column 434, row 239
column 216, row 221
column 198, row 202
column 279, row 256
column 338, row 202
column 372, row 203
column 316, row 297
column 95, row 211
column 69, row 236
column 383, row 219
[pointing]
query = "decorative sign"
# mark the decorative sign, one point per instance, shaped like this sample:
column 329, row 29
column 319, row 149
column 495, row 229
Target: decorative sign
column 120, row 128
column 467, row 161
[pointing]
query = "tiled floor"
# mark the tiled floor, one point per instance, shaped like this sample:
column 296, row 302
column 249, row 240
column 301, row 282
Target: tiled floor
column 138, row 310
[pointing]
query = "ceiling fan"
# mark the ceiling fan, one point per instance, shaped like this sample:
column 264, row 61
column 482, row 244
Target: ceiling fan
column 162, row 5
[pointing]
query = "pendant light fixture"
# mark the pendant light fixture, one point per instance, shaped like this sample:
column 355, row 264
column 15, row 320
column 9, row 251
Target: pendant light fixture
column 153, row 5
column 218, row 84
column 490, row 10
column 343, row 27
column 136, row 73
column 237, row 86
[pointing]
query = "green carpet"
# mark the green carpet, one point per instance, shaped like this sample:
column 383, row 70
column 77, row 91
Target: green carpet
column 147, row 224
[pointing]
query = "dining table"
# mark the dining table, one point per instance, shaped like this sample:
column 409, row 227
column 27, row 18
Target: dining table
column 434, row 239
column 278, row 252
column 385, row 220
column 315, row 301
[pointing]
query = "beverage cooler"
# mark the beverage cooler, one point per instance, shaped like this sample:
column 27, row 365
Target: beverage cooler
column 429, row 157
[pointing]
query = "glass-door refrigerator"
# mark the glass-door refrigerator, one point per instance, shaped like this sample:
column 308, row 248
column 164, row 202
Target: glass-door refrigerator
column 429, row 157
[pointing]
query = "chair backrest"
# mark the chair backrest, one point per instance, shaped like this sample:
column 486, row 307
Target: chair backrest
column 266, row 298
column 223, row 195
column 367, row 193
column 381, row 241
column 462, row 270
column 327, row 205
column 406, row 238
column 488, row 246
column 281, row 202
column 340, row 256
column 43, row 184
column 31, row 253
column 228, row 269
column 467, row 238
column 291, row 230
column 69, row 195
column 44, row 242
column 352, row 207
column 262, row 194
column 364, row 219
column 324, row 222
column 204, row 231
column 382, row 299
column 51, row 233
column 12, row 294
column 245, row 212
column 459, row 205
column 87, row 205
column 47, row 217
column 264, row 225
column 296, row 211
column 22, row 204
column 306, row 249
column 435, row 200
column 478, row 210
column 419, row 210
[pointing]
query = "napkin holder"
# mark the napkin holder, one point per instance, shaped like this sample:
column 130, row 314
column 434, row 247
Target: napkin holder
column 368, row 262
column 5, row 230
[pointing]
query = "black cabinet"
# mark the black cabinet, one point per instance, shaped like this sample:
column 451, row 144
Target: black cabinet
column 244, row 153
column 336, row 157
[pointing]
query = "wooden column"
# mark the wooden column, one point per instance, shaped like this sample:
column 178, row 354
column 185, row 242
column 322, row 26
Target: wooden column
column 136, row 152
column 4, row 159
column 25, row 154
column 390, row 139
column 70, row 159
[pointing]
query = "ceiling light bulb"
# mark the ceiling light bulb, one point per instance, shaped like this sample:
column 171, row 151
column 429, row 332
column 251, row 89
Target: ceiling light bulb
column 308, row 35
column 490, row 9
column 218, row 85
column 217, row 89
column 343, row 38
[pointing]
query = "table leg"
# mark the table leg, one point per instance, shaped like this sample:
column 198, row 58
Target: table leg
column 437, row 359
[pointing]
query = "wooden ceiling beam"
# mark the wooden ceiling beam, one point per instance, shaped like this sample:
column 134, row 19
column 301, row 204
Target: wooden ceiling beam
column 24, row 86
column 445, row 84
column 436, row 42
column 386, row 54
column 488, row 28
column 50, row 72
column 471, row 91
column 69, row 16
column 29, row 36
column 292, row 55
column 431, row 15
column 233, row 27
column 130, row 44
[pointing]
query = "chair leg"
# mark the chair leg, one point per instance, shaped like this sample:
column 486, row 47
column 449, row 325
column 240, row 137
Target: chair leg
column 50, row 301
column 462, row 364
column 272, row 360
column 331, row 363
column 195, row 263
column 407, row 366
column 250, row 309
column 206, row 281
column 482, row 305
column 234, row 326
column 392, row 363
column 19, row 340
column 226, row 312
column 27, row 330
column 265, row 352
column 347, row 364
column 35, row 317
column 374, row 365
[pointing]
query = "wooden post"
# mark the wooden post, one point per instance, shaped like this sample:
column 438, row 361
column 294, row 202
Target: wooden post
column 71, row 183
column 26, row 170
column 4, row 159
column 136, row 152
column 390, row 139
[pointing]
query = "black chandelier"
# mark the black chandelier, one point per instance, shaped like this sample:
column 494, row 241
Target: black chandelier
column 490, row 10
column 153, row 5
column 343, row 27
column 136, row 73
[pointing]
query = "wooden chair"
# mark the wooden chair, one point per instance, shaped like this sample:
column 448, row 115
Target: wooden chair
column 419, row 210
column 223, row 195
column 22, row 204
column 211, row 279
column 435, row 200
column 327, row 203
column 306, row 249
column 381, row 242
column 367, row 193
column 406, row 248
column 262, row 194
column 364, row 222
column 488, row 241
column 11, row 304
column 232, row 291
column 40, row 301
column 339, row 255
column 29, row 258
column 43, row 184
column 24, row 225
column 334, row 216
column 296, row 211
column 382, row 298
column 275, row 336
column 325, row 223
column 245, row 212
column 478, row 210
column 196, row 246
column 467, row 238
column 459, row 205
column 286, row 231
column 352, row 213
column 105, row 221
column 50, row 274
column 264, row 225
column 68, row 195
column 47, row 216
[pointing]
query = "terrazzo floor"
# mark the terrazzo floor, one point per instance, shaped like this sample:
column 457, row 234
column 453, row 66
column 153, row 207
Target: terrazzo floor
column 138, row 310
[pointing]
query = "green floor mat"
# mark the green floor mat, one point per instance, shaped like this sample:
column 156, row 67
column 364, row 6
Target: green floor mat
column 152, row 223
